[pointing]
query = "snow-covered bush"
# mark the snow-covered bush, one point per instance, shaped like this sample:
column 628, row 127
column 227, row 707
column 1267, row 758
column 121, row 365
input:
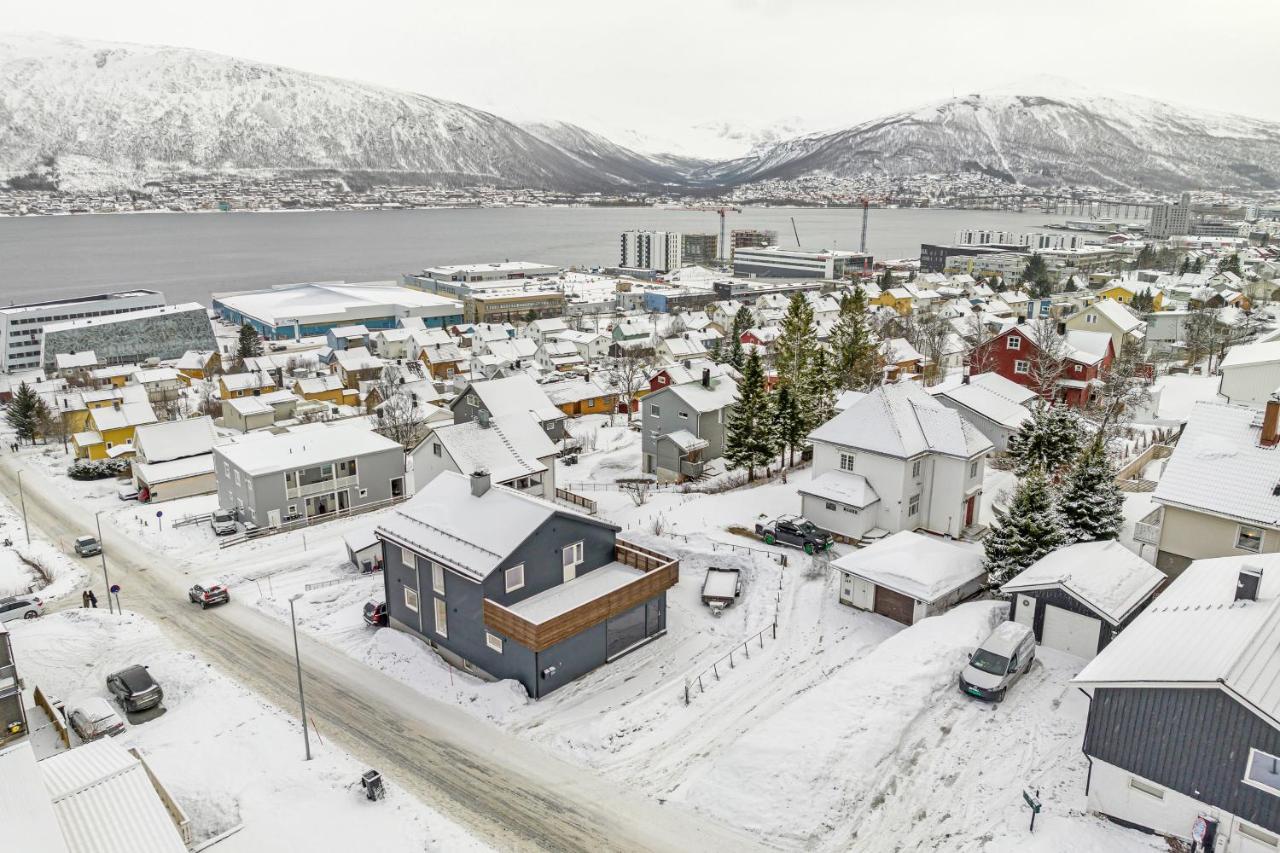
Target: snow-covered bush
column 97, row 469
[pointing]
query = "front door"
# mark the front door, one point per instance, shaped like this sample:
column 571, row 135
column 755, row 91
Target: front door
column 968, row 510
column 1026, row 611
column 273, row 518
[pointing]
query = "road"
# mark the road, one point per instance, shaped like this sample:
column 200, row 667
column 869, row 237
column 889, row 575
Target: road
column 507, row 792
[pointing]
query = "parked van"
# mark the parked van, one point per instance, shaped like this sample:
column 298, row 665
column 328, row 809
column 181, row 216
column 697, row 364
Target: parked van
column 999, row 660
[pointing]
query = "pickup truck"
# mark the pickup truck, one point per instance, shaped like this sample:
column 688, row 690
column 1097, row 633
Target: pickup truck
column 796, row 531
column 721, row 588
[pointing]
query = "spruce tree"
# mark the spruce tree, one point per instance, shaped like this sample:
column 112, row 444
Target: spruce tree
column 1048, row 441
column 790, row 425
column 853, row 358
column 248, row 344
column 1025, row 531
column 1089, row 501
column 23, row 412
column 794, row 349
column 1034, row 270
column 820, row 392
column 750, row 437
column 741, row 322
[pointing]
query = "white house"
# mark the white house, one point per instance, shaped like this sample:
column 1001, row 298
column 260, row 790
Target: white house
column 896, row 459
column 1250, row 373
column 997, row 406
column 514, row 449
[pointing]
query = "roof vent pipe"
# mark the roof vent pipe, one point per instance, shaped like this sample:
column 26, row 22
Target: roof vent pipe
column 1248, row 582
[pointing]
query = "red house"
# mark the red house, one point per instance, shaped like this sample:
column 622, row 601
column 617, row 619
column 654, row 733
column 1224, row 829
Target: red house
column 1087, row 355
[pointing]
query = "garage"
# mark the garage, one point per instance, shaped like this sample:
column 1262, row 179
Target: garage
column 1073, row 633
column 908, row 576
column 895, row 605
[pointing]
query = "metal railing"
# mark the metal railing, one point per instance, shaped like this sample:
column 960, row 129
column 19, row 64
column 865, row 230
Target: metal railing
column 301, row 523
column 321, row 487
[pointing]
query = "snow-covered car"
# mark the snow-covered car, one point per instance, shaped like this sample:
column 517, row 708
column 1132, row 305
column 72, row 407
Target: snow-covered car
column 223, row 522
column 127, row 493
column 999, row 661
column 20, row 607
column 208, row 593
column 93, row 718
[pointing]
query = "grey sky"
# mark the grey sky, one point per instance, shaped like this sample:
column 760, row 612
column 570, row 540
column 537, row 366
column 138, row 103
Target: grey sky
column 662, row 67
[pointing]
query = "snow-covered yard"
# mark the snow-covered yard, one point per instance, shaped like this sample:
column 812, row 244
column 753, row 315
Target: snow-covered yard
column 227, row 756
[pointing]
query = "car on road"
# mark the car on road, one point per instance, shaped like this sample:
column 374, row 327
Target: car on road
column 87, row 546
column 128, row 493
column 999, row 661
column 223, row 522
column 796, row 531
column 20, row 607
column 375, row 613
column 93, row 718
column 135, row 689
column 208, row 593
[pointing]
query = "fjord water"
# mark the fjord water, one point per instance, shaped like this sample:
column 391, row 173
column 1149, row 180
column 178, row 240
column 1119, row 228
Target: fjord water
column 190, row 255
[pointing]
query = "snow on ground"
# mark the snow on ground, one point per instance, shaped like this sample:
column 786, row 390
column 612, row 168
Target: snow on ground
column 227, row 756
column 40, row 567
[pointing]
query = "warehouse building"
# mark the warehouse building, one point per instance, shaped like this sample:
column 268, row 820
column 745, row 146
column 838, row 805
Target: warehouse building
column 313, row 308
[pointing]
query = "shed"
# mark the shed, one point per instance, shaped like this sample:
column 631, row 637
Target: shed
column 1078, row 598
column 908, row 576
column 364, row 549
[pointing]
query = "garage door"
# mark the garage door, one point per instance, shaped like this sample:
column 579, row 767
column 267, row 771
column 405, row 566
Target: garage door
column 895, row 605
column 1070, row 632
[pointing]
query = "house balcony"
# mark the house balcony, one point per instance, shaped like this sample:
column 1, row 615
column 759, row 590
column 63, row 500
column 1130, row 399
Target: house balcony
column 321, row 487
column 692, row 470
column 636, row 575
column 1147, row 531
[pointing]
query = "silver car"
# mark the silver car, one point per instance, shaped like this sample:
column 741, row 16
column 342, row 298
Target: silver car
column 999, row 661
column 87, row 546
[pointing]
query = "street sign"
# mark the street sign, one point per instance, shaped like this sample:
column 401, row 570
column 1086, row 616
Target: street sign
column 159, row 513
column 1033, row 802
column 115, row 589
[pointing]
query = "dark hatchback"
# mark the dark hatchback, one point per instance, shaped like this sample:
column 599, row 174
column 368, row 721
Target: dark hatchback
column 135, row 689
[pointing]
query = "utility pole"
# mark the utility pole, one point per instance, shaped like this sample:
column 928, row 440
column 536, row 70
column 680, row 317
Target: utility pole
column 22, row 497
column 306, row 738
column 102, row 552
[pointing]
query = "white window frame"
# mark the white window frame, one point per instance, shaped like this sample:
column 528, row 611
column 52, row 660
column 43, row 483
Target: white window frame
column 507, row 578
column 493, row 641
column 571, row 555
column 913, row 505
column 915, row 468
column 1262, row 538
column 1261, row 786
column 440, row 617
column 409, row 559
column 973, row 469
column 1257, row 834
column 1091, row 319
column 656, row 411
column 1144, row 787
column 848, row 461
column 1022, row 367
column 411, row 598
column 437, row 578
column 684, row 415
column 1013, row 342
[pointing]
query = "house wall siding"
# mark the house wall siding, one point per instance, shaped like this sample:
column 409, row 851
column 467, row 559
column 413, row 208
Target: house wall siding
column 1186, row 535
column 1194, row 741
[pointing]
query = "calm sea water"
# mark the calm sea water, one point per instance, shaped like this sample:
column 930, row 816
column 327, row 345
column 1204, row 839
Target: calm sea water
column 189, row 256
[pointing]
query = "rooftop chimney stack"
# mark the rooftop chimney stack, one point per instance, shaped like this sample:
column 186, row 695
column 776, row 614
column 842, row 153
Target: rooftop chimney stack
column 706, row 377
column 479, row 482
column 1271, row 423
column 1247, row 584
column 482, row 417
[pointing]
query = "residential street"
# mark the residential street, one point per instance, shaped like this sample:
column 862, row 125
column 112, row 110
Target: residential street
column 509, row 793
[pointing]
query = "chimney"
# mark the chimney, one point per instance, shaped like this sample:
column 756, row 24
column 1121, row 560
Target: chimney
column 964, row 380
column 115, row 404
column 482, row 418
column 688, row 365
column 1271, row 423
column 479, row 482
column 1247, row 584
column 706, row 377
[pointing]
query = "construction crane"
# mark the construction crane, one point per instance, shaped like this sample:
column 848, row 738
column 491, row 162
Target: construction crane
column 866, row 210
column 722, row 210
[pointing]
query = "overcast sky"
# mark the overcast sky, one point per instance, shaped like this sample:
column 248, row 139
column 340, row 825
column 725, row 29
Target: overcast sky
column 662, row 68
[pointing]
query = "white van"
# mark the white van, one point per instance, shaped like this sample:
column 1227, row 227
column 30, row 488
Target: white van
column 999, row 660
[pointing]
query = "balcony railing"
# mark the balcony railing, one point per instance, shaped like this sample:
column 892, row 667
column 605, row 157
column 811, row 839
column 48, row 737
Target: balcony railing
column 1147, row 530
column 321, row 487
column 661, row 572
column 692, row 469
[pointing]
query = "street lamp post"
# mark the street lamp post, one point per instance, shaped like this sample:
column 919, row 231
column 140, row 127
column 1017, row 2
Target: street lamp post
column 22, row 497
column 306, row 738
column 102, row 552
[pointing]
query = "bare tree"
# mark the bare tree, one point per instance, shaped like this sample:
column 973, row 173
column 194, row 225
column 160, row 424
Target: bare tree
column 1125, row 387
column 1048, row 360
column 976, row 334
column 931, row 334
column 627, row 372
column 399, row 417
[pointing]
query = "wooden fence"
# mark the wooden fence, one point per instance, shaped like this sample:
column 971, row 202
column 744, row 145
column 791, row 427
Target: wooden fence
column 577, row 500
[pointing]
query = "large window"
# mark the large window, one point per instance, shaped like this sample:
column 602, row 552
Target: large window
column 515, row 577
column 572, row 556
column 1263, row 771
column 437, row 578
column 411, row 599
column 913, row 505
column 1249, row 538
column 442, row 617
column 847, row 461
column 409, row 559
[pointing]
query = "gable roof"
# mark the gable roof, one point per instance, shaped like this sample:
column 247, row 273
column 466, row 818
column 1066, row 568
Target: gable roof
column 902, row 420
column 510, row 447
column 1196, row 634
column 1106, row 576
column 1218, row 466
column 512, row 394
column 722, row 392
column 127, row 415
column 446, row 522
column 166, row 440
column 994, row 397
column 1245, row 355
column 1114, row 312
column 922, row 567
column 266, row 451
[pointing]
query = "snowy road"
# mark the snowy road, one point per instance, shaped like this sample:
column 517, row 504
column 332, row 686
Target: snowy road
column 509, row 793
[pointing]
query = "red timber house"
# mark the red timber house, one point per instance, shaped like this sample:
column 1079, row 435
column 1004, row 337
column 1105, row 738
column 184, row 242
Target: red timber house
column 1087, row 356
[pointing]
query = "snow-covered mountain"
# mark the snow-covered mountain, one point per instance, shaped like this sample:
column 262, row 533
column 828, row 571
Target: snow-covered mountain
column 136, row 111
column 596, row 152
column 1080, row 139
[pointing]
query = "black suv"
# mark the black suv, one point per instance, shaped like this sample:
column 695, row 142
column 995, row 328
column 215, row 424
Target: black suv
column 796, row 531
column 135, row 689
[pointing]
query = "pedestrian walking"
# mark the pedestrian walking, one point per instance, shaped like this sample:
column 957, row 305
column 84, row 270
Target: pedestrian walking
column 84, row 598
column 93, row 599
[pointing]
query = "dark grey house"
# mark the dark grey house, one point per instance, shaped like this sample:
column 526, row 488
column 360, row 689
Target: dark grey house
column 684, row 425
column 1076, row 599
column 506, row 585
column 1184, row 717
column 506, row 396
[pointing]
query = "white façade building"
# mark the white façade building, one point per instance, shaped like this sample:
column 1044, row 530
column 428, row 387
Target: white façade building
column 896, row 459
column 22, row 326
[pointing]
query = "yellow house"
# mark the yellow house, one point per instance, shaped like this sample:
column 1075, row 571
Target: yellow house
column 109, row 432
column 195, row 364
column 898, row 298
column 1124, row 293
column 327, row 388
column 115, row 376
column 233, row 385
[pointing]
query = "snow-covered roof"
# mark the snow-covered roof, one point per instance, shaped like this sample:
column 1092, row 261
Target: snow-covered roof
column 510, row 447
column 903, row 420
column 301, row 447
column 71, row 360
column 105, row 801
column 683, row 347
column 1114, row 312
column 995, row 398
column 26, row 812
column 572, row 391
column 246, row 381
column 686, row 440
column 1195, row 634
column 318, row 384
column 245, row 406
column 161, row 442
column 899, row 350
column 722, row 392
column 357, row 331
column 1105, row 576
column 357, row 358
column 156, row 473
column 513, row 394
column 193, row 359
column 847, row 398
column 1244, row 355
column 921, row 567
column 842, row 487
column 127, row 415
column 446, row 522
column 590, row 586
column 315, row 302
column 1087, row 347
